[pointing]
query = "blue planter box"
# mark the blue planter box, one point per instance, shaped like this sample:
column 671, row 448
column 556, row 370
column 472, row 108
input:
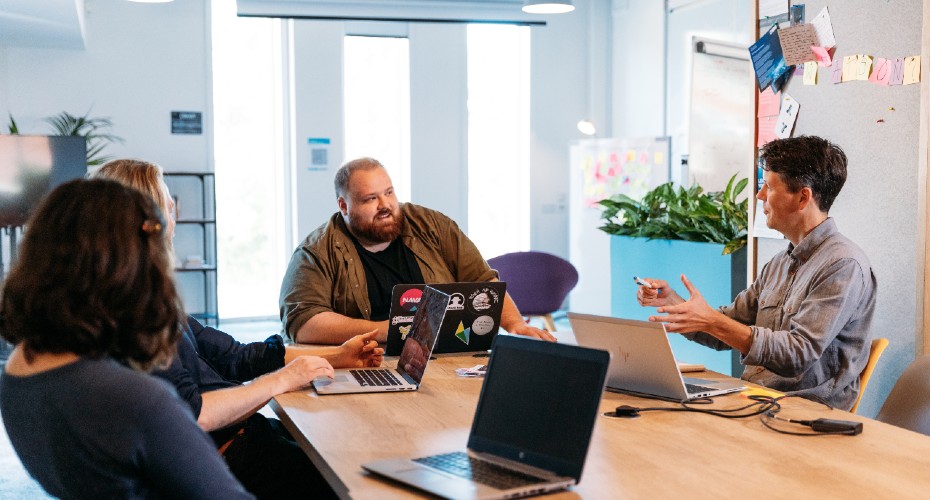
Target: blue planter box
column 719, row 278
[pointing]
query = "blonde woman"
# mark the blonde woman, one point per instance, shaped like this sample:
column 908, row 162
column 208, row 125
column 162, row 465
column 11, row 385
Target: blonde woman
column 211, row 365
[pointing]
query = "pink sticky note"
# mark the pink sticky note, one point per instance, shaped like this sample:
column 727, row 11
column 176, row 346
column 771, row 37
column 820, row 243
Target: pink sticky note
column 822, row 56
column 766, row 130
column 881, row 72
column 837, row 75
column 769, row 103
column 897, row 71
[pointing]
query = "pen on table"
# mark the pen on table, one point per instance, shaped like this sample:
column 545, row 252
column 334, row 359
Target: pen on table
column 640, row 281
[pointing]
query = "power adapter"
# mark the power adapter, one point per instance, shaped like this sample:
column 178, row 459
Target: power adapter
column 836, row 426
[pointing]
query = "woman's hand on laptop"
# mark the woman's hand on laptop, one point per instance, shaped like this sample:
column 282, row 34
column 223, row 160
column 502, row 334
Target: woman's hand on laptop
column 299, row 373
column 531, row 331
column 359, row 351
column 658, row 295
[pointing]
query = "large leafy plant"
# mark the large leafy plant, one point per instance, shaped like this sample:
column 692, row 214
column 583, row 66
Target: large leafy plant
column 671, row 213
column 95, row 130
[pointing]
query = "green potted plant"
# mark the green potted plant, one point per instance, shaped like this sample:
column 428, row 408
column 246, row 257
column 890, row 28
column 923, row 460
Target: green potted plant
column 674, row 231
column 94, row 131
column 667, row 213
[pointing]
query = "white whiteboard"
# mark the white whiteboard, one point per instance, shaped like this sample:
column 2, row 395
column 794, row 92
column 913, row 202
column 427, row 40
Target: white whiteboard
column 722, row 113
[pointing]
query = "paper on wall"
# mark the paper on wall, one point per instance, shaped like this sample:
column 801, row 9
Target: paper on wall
column 824, row 29
column 787, row 116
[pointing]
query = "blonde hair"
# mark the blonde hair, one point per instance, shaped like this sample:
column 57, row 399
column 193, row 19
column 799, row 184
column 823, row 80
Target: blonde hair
column 138, row 174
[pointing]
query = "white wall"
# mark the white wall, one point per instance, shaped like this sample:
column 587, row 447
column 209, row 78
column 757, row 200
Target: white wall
column 142, row 61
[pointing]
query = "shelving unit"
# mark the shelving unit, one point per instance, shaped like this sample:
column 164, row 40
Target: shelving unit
column 195, row 242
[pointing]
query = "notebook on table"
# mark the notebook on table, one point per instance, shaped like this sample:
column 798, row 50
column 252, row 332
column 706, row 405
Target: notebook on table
column 473, row 315
column 411, row 365
column 510, row 453
column 642, row 360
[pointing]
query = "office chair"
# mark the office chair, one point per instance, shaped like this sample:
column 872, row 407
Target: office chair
column 538, row 282
column 908, row 404
column 878, row 347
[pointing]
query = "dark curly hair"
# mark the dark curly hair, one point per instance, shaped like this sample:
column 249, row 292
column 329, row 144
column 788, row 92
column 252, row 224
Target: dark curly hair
column 94, row 278
column 807, row 161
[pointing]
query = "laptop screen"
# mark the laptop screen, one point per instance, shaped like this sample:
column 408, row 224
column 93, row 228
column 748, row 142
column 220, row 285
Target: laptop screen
column 539, row 403
column 423, row 334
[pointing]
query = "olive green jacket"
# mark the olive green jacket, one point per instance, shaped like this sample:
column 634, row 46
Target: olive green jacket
column 326, row 274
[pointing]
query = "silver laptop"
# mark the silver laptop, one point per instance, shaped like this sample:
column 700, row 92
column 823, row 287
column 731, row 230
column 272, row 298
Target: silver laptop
column 418, row 347
column 642, row 360
column 531, row 430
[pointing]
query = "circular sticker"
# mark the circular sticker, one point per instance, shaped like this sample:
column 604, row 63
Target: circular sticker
column 482, row 325
column 410, row 299
column 483, row 299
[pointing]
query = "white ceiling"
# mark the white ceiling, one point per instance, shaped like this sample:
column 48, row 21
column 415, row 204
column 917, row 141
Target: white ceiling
column 42, row 23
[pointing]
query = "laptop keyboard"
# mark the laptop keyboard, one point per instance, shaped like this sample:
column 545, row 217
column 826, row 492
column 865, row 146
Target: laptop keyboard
column 374, row 378
column 461, row 464
column 695, row 389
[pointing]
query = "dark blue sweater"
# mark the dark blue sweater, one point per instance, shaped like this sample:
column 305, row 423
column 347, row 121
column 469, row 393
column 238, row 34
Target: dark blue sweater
column 97, row 429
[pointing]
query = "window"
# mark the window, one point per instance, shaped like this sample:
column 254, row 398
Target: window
column 498, row 138
column 248, row 121
column 377, row 104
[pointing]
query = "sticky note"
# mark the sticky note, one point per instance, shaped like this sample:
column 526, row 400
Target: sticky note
column 850, row 68
column 766, row 129
column 911, row 70
column 769, row 102
column 881, row 72
column 897, row 71
column 822, row 56
column 863, row 67
column 810, row 73
column 837, row 75
column 761, row 391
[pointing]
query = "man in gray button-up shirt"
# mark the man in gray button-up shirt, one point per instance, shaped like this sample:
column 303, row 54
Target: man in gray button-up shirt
column 804, row 324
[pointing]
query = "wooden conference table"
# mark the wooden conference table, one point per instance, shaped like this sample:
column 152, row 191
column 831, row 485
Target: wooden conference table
column 657, row 455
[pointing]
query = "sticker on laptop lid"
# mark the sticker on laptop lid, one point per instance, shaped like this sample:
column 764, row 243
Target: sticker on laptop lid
column 482, row 325
column 483, row 298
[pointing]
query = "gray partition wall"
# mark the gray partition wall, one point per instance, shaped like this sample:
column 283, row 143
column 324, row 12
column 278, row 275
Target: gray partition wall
column 878, row 128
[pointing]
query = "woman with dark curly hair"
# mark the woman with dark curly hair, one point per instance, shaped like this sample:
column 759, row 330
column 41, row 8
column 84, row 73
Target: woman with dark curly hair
column 90, row 304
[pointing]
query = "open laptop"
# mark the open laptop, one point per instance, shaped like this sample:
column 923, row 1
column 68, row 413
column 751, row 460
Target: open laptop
column 642, row 360
column 531, row 429
column 473, row 316
column 413, row 358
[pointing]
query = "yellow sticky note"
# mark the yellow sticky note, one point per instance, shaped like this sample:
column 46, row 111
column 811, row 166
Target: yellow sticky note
column 850, row 68
column 761, row 391
column 810, row 73
column 863, row 67
column 658, row 158
column 911, row 70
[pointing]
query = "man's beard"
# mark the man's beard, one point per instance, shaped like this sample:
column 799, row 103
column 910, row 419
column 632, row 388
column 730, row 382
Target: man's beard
column 373, row 231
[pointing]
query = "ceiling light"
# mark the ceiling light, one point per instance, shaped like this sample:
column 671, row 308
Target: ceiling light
column 547, row 6
column 586, row 127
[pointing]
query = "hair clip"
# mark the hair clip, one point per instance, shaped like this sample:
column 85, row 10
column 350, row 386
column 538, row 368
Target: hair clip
column 151, row 226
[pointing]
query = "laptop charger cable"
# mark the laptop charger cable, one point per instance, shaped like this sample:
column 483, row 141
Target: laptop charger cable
column 764, row 406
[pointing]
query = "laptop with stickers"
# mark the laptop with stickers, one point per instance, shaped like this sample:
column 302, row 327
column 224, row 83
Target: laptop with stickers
column 418, row 347
column 473, row 315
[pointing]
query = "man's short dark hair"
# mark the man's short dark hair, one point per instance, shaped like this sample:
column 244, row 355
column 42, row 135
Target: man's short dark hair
column 807, row 161
column 94, row 278
column 345, row 173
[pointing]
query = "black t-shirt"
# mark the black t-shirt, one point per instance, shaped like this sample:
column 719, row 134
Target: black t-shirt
column 392, row 266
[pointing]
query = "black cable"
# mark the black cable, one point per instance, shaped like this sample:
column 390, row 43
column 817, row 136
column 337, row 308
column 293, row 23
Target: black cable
column 765, row 406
